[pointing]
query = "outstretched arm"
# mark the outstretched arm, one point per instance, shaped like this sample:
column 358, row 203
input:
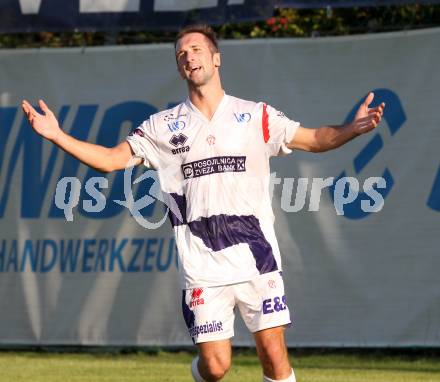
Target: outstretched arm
column 98, row 157
column 327, row 138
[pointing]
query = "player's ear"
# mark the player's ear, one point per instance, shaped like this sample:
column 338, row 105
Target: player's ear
column 217, row 60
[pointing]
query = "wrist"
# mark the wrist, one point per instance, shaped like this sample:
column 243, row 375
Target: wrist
column 352, row 130
column 58, row 136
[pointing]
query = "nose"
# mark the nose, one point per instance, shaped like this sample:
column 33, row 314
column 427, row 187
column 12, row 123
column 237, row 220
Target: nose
column 190, row 56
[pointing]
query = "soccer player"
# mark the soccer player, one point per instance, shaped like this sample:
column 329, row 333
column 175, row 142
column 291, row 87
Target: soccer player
column 212, row 156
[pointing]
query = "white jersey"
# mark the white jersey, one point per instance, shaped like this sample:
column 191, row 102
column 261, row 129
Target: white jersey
column 215, row 176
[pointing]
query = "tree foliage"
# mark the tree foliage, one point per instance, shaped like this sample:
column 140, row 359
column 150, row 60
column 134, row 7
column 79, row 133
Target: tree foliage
column 284, row 23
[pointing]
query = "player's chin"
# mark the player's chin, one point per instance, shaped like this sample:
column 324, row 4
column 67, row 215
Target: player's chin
column 196, row 81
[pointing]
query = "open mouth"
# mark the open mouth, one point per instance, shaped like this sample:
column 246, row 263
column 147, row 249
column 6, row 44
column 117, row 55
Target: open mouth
column 195, row 69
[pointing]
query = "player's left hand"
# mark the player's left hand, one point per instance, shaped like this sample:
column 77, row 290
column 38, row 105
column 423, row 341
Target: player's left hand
column 367, row 119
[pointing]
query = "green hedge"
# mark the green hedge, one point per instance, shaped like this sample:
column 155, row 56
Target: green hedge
column 284, row 23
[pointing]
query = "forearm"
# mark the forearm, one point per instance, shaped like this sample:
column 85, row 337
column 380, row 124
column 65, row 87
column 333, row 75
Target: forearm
column 323, row 138
column 98, row 157
column 332, row 137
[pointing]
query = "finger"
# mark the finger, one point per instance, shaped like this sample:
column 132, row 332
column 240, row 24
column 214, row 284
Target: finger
column 27, row 111
column 29, row 108
column 368, row 118
column 378, row 110
column 24, row 107
column 43, row 106
column 369, row 99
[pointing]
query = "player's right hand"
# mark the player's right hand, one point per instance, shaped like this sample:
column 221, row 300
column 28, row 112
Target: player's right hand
column 44, row 124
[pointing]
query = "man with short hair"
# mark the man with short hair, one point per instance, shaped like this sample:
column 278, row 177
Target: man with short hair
column 218, row 150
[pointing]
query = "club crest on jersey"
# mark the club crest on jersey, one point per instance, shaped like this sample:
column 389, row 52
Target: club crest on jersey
column 210, row 139
column 242, row 117
column 179, row 140
column 195, row 297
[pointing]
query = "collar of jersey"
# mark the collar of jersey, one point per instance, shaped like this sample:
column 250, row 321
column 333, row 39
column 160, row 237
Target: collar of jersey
column 217, row 112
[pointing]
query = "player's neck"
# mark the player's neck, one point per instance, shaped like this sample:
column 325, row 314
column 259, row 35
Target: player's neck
column 207, row 98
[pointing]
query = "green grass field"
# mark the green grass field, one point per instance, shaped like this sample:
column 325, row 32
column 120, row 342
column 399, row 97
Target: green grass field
column 100, row 367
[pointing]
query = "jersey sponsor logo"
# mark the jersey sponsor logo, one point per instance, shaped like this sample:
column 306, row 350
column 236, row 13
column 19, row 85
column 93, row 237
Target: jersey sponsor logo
column 176, row 125
column 242, row 117
column 272, row 284
column 195, row 297
column 276, row 304
column 207, row 327
column 178, row 140
column 214, row 165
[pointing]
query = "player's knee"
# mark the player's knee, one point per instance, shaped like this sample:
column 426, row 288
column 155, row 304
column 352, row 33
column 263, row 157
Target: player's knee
column 215, row 368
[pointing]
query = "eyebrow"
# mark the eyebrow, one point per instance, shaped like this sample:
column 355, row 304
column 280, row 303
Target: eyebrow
column 195, row 45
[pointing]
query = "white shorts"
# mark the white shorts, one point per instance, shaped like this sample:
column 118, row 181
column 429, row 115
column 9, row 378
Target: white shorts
column 209, row 312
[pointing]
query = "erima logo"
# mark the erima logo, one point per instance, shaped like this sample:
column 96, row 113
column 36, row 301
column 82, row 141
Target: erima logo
column 195, row 297
column 196, row 293
column 178, row 140
column 242, row 117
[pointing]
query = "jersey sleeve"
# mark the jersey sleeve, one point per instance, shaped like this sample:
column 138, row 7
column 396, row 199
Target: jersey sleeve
column 143, row 142
column 278, row 130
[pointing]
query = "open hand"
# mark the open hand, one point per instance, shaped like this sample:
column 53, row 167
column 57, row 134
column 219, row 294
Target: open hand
column 367, row 119
column 45, row 124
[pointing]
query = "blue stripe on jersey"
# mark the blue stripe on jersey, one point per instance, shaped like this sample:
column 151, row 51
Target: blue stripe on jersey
column 222, row 231
column 188, row 314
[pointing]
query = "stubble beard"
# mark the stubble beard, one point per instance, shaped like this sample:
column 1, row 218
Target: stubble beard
column 199, row 82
